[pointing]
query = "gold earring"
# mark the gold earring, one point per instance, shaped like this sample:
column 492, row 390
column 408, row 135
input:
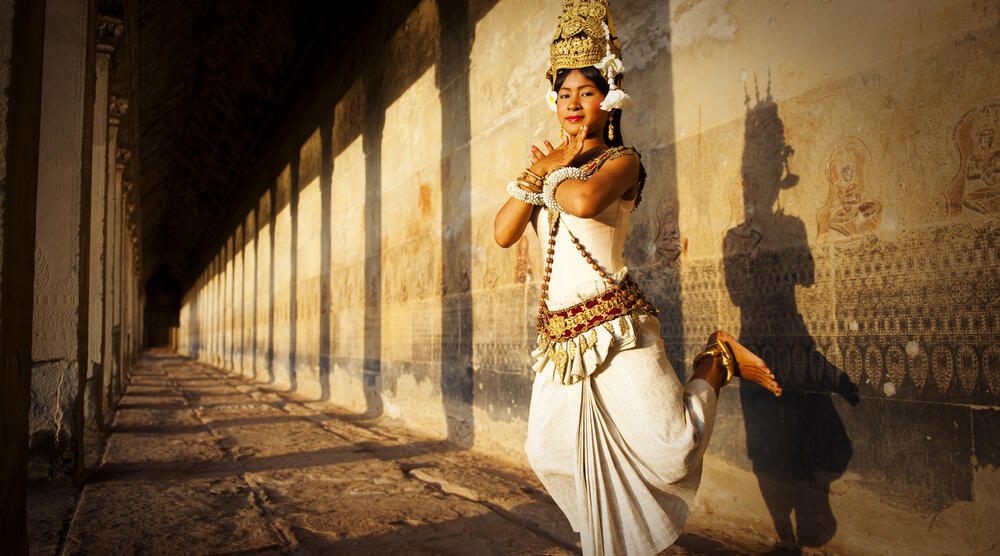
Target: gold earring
column 560, row 133
column 611, row 131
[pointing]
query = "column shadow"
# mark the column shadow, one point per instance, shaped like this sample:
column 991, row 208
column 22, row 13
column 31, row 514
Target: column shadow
column 456, row 221
column 209, row 314
column 229, row 304
column 237, row 326
column 797, row 444
column 325, row 190
column 374, row 125
column 272, row 196
column 661, row 278
column 293, row 281
column 194, row 344
column 250, row 294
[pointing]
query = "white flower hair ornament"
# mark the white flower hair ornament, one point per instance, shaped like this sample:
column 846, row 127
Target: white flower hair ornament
column 612, row 66
column 551, row 99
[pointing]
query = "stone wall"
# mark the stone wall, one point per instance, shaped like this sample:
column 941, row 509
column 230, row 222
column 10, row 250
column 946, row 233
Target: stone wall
column 824, row 182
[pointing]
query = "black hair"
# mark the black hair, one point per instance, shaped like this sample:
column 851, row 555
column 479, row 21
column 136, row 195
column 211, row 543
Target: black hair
column 594, row 75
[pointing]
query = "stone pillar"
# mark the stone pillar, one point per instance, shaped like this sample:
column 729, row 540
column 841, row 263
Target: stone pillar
column 124, row 155
column 126, row 301
column 122, row 158
column 22, row 24
column 116, row 108
column 131, row 291
column 59, row 327
column 108, row 31
column 133, row 294
column 128, row 278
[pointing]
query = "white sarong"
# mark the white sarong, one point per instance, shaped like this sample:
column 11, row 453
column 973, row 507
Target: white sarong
column 620, row 451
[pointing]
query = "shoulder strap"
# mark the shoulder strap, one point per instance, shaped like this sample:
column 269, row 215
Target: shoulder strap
column 595, row 164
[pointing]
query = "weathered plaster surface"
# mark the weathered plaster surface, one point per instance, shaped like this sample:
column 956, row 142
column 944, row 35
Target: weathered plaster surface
column 55, row 326
column 823, row 182
column 51, row 427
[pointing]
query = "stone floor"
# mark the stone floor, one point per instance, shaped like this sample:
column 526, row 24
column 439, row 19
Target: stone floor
column 201, row 462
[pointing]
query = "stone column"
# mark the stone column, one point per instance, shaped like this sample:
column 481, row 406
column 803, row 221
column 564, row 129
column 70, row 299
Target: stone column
column 126, row 266
column 108, row 31
column 59, row 327
column 123, row 156
column 116, row 108
column 22, row 24
column 128, row 281
column 131, row 298
column 138, row 311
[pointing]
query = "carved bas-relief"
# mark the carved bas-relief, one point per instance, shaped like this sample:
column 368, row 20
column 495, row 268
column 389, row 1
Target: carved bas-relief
column 668, row 235
column 522, row 267
column 976, row 187
column 847, row 214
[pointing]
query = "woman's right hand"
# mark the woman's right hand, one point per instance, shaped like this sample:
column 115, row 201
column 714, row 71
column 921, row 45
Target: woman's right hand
column 542, row 163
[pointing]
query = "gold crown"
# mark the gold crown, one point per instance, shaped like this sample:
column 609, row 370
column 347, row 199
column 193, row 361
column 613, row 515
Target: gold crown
column 580, row 39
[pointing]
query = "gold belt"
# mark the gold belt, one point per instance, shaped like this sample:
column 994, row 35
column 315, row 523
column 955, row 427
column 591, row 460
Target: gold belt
column 622, row 299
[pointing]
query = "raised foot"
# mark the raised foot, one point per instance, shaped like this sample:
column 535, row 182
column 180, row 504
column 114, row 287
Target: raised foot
column 749, row 366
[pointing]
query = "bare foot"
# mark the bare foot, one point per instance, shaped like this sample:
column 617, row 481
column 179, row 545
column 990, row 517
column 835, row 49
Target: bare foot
column 748, row 365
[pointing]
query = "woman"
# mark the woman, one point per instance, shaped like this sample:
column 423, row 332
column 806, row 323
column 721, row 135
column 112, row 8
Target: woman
column 612, row 434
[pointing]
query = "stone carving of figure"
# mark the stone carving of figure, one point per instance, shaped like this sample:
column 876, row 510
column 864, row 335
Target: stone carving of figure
column 847, row 213
column 977, row 184
column 668, row 235
column 522, row 268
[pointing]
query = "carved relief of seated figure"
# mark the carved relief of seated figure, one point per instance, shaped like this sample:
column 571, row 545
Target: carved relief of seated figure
column 846, row 213
column 986, row 197
column 977, row 185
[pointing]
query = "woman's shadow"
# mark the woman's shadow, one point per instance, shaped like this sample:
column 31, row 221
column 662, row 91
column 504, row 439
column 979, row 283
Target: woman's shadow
column 797, row 443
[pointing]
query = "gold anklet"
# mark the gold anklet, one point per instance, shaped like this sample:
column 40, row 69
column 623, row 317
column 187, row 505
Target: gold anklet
column 725, row 353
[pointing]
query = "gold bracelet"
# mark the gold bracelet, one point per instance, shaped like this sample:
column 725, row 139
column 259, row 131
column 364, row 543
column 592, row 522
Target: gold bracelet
column 530, row 178
column 534, row 175
column 530, row 188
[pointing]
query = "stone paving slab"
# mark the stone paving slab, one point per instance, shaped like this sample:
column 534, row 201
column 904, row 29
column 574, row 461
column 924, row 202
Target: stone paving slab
column 201, row 462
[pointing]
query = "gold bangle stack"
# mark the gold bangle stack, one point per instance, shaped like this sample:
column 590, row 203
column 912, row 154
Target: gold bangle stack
column 538, row 179
column 725, row 353
column 528, row 186
column 530, row 181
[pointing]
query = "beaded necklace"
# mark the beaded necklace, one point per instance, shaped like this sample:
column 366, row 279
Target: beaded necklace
column 634, row 297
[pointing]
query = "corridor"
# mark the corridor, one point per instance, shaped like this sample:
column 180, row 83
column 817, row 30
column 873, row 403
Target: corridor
column 252, row 297
column 201, row 462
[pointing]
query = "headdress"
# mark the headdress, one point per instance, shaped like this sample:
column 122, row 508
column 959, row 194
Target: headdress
column 584, row 37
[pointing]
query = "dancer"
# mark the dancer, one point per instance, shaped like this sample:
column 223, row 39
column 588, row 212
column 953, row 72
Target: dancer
column 612, row 434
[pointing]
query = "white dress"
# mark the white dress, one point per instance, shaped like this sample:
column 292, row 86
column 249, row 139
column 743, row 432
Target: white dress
column 613, row 435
